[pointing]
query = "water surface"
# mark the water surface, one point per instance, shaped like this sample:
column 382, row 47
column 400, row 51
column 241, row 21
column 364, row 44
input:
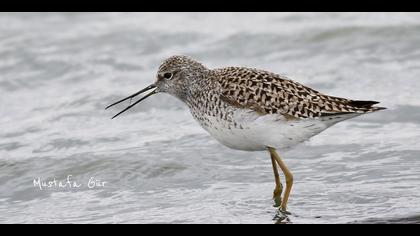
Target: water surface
column 59, row 70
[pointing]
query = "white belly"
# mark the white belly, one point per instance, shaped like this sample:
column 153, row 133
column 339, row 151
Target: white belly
column 254, row 132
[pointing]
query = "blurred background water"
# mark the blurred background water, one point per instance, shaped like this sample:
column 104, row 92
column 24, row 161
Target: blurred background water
column 59, row 70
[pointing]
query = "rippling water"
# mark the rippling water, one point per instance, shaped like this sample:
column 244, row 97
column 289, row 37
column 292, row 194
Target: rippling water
column 58, row 71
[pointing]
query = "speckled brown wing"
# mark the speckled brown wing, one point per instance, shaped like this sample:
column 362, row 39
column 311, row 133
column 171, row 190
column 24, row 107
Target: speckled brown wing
column 268, row 93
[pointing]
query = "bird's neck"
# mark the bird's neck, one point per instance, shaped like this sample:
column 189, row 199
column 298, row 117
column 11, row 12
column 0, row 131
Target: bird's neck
column 199, row 90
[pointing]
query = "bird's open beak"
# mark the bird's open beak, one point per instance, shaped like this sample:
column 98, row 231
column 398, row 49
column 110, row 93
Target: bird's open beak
column 152, row 86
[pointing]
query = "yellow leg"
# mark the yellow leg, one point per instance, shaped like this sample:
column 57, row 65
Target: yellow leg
column 287, row 174
column 279, row 187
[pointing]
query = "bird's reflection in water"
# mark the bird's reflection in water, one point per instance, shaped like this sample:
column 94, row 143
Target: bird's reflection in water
column 282, row 217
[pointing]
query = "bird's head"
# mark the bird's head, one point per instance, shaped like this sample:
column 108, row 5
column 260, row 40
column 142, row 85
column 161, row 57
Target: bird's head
column 176, row 76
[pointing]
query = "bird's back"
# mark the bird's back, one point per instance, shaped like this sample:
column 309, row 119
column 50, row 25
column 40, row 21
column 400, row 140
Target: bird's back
column 269, row 93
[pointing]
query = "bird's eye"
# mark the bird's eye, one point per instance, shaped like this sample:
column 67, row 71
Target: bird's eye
column 167, row 76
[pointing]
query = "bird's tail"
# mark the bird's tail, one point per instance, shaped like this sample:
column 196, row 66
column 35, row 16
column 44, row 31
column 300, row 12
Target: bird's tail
column 365, row 106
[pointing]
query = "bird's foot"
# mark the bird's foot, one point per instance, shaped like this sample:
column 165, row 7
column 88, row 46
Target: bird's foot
column 277, row 201
column 277, row 196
